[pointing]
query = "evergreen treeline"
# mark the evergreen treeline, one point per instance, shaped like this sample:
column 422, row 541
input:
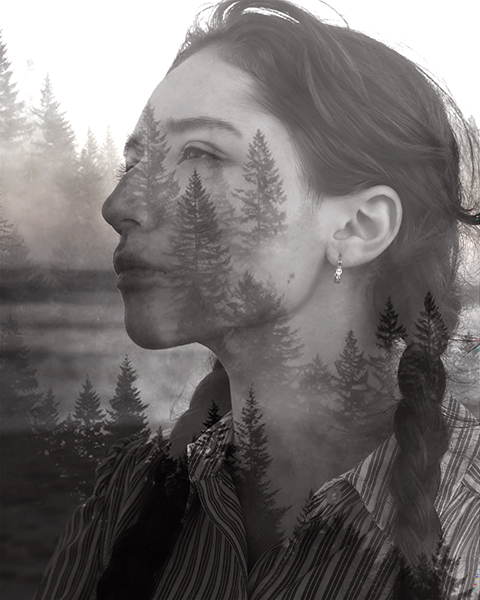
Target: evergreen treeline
column 63, row 187
column 69, row 448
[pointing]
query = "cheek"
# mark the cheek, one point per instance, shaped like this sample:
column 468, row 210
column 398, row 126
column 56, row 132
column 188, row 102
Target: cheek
column 290, row 265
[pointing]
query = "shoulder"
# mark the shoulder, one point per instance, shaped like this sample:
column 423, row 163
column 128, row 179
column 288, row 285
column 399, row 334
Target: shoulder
column 461, row 462
column 126, row 460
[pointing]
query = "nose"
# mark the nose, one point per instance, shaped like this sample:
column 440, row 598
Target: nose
column 126, row 208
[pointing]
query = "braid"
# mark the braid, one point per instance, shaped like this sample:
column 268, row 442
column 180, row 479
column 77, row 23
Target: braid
column 422, row 436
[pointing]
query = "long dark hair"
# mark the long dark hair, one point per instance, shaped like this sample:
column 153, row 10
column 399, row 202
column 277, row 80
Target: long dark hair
column 360, row 115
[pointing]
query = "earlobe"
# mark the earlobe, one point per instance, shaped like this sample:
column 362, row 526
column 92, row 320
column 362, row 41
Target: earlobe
column 375, row 216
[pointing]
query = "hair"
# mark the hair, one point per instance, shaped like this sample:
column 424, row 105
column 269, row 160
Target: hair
column 359, row 115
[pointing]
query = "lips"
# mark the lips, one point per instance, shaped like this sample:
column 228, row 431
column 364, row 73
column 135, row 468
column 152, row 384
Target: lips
column 136, row 272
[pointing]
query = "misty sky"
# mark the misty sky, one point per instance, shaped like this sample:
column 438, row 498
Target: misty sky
column 105, row 57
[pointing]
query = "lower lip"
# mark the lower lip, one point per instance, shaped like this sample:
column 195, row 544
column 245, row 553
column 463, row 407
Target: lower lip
column 139, row 278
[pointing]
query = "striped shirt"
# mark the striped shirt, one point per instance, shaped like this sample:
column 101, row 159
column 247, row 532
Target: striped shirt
column 342, row 550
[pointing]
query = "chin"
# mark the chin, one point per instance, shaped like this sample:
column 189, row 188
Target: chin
column 154, row 326
column 151, row 333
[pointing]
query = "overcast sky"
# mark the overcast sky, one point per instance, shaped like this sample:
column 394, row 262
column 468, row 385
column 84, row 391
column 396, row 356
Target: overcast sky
column 105, row 57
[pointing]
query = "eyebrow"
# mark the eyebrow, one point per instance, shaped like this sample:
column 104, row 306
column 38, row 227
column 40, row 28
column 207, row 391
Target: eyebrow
column 202, row 122
column 171, row 125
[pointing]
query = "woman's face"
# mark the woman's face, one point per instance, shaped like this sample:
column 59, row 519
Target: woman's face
column 217, row 230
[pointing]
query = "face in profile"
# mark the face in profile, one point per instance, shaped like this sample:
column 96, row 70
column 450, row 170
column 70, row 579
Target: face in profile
column 215, row 223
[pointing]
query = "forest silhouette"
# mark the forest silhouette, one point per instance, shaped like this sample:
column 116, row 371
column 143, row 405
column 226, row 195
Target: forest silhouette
column 49, row 457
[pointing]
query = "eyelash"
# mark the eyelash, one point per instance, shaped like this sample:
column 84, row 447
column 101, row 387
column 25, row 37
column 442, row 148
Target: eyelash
column 211, row 156
column 122, row 170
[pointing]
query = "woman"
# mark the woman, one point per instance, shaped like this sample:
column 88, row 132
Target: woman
column 292, row 201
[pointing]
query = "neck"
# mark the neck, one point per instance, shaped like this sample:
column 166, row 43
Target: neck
column 306, row 376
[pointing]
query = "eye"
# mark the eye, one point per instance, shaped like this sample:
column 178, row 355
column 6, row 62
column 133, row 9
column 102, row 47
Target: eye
column 120, row 170
column 123, row 168
column 199, row 153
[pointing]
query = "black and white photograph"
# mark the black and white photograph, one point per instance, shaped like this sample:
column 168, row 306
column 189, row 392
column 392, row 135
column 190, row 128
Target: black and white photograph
column 239, row 295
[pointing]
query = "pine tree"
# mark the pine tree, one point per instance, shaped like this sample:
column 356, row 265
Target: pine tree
column 109, row 162
column 203, row 269
column 255, row 460
column 12, row 111
column 18, row 379
column 19, row 276
column 389, row 329
column 221, row 198
column 276, row 346
column 46, row 425
column 213, row 415
column 86, row 229
column 20, row 449
column 52, row 176
column 430, row 330
column 263, row 196
column 316, row 377
column 57, row 142
column 89, row 418
column 45, row 413
column 14, row 252
column 351, row 381
column 153, row 183
column 127, row 415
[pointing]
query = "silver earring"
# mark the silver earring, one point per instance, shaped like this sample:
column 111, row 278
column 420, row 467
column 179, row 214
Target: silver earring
column 337, row 278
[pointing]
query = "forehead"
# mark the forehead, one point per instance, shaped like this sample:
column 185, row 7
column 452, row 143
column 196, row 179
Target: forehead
column 206, row 90
column 204, row 85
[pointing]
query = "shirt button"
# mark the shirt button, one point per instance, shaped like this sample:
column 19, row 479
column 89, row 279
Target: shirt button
column 210, row 449
column 334, row 495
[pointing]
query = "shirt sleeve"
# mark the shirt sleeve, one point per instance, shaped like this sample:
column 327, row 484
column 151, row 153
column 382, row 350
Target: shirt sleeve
column 79, row 558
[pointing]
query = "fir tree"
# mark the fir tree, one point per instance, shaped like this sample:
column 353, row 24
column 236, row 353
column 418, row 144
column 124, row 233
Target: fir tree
column 430, row 330
column 12, row 111
column 255, row 460
column 127, row 415
column 18, row 274
column 20, row 449
column 14, row 252
column 45, row 414
column 351, row 381
column 316, row 377
column 109, row 161
column 52, row 181
column 57, row 142
column 203, row 269
column 86, row 229
column 220, row 196
column 277, row 345
column 213, row 415
column 263, row 196
column 153, row 183
column 389, row 329
column 390, row 335
column 66, row 455
column 89, row 418
column 47, row 428
column 18, row 379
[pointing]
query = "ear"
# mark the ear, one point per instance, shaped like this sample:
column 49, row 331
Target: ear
column 368, row 223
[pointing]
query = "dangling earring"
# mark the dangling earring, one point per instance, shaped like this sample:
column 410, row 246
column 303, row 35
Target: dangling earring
column 337, row 278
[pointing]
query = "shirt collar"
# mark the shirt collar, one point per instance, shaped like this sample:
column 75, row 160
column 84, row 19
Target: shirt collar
column 371, row 476
column 207, row 453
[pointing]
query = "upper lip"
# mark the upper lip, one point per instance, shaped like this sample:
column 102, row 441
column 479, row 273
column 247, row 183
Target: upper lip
column 128, row 262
